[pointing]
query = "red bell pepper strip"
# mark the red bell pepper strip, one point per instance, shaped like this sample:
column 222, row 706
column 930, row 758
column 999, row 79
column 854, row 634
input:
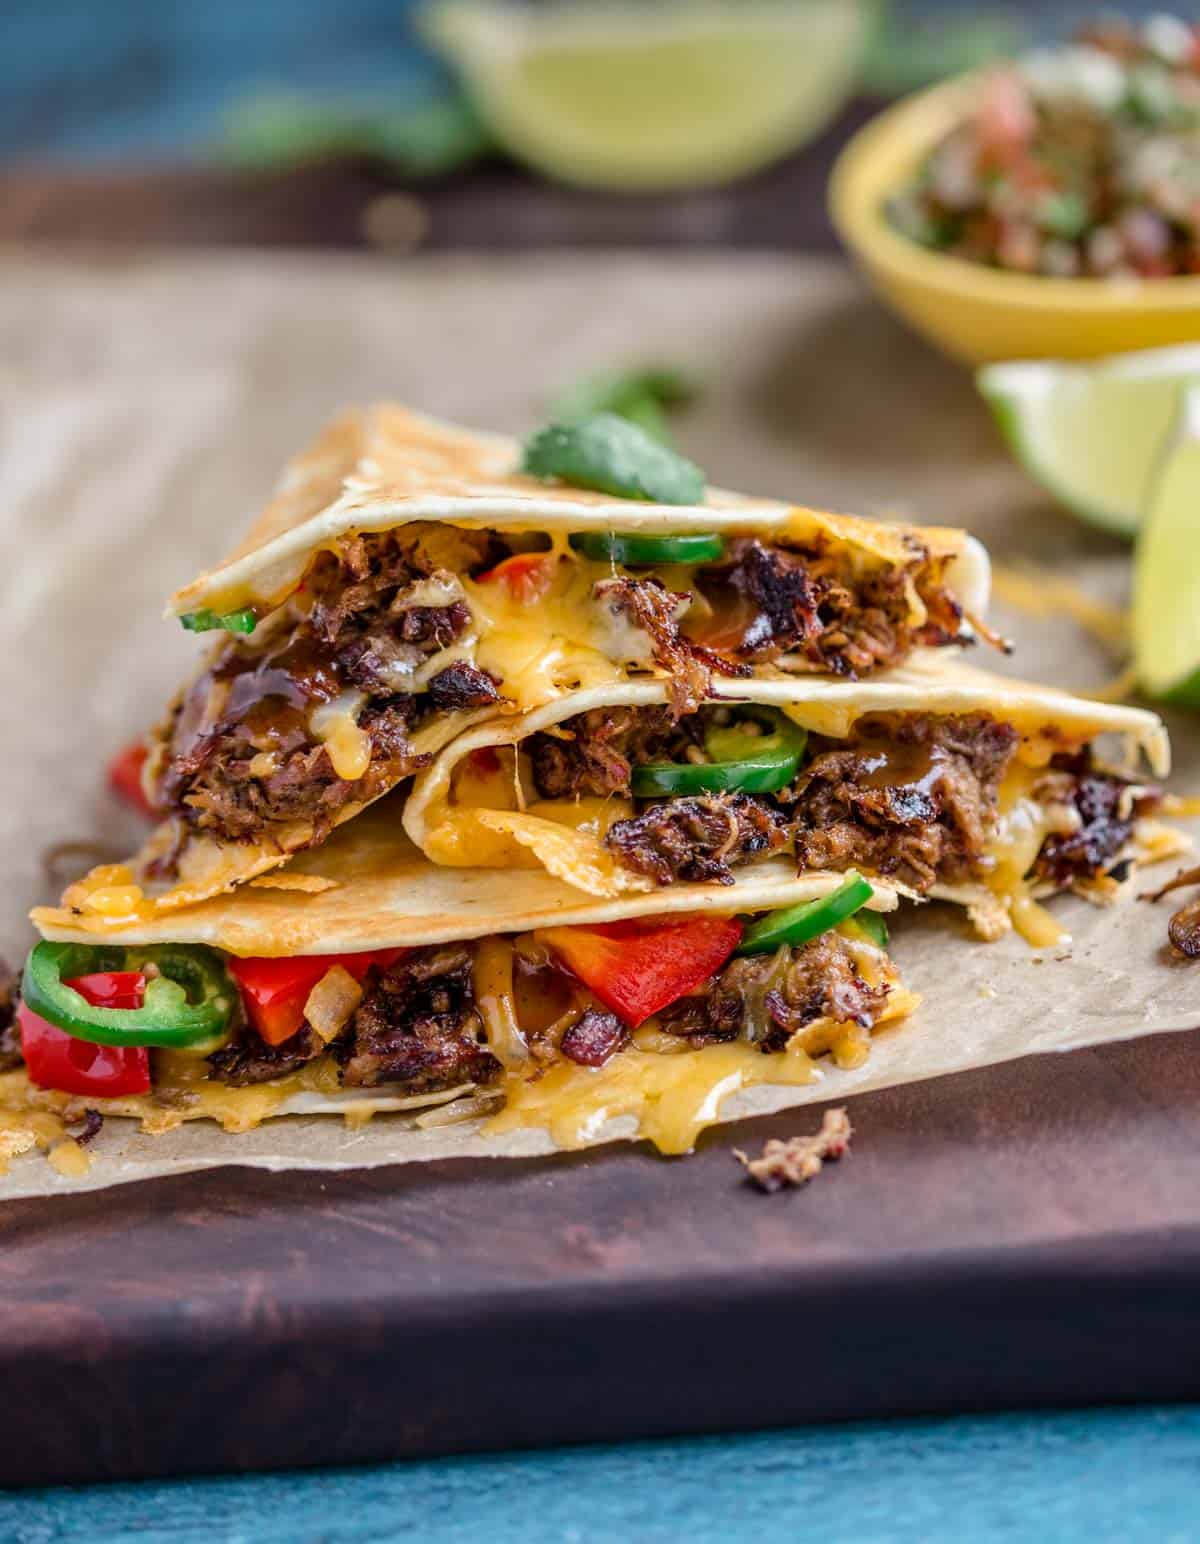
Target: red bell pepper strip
column 274, row 991
column 55, row 1059
column 527, row 575
column 636, row 968
column 125, row 777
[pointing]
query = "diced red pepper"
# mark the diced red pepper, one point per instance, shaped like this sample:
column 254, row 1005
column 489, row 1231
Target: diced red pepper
column 636, row 968
column 55, row 1059
column 274, row 991
column 526, row 575
column 111, row 988
column 125, row 777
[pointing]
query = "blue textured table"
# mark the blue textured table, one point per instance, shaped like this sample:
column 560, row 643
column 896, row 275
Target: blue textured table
column 1108, row 1474
column 82, row 80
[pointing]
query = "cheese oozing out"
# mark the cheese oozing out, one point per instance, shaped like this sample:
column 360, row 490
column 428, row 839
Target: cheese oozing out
column 664, row 1091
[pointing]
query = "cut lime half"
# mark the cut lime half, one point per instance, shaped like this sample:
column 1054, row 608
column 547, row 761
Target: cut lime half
column 1090, row 434
column 1166, row 589
column 628, row 95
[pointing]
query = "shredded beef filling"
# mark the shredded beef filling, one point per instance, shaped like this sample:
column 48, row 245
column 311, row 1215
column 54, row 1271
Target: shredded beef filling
column 771, row 996
column 600, row 749
column 804, row 603
column 1107, row 810
column 648, row 608
column 700, row 838
column 416, row 1025
column 595, row 1036
column 241, row 759
column 418, row 1029
column 419, row 1026
column 249, row 1059
column 910, row 796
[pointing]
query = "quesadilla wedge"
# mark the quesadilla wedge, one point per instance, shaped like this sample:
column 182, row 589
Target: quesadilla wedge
column 942, row 779
column 394, row 985
column 407, row 579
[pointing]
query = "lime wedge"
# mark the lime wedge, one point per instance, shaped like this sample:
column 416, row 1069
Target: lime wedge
column 623, row 95
column 1166, row 585
column 1089, row 434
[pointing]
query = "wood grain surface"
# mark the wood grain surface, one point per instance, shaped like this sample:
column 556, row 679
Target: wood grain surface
column 348, row 204
column 999, row 1238
column 1024, row 1234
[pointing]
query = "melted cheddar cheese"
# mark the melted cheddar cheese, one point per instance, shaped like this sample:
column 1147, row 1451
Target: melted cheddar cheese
column 672, row 1095
column 335, row 725
column 567, row 641
column 1023, row 824
column 670, row 1091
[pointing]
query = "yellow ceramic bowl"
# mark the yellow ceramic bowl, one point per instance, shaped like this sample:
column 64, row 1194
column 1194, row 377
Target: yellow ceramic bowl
column 983, row 314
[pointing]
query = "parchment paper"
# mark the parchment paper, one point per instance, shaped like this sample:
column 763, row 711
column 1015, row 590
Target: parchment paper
column 147, row 403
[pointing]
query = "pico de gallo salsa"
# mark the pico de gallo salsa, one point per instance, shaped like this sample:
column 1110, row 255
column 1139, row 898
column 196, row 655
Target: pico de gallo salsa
column 1081, row 161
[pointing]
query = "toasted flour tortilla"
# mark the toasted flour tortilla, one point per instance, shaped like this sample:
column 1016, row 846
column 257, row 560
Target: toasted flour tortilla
column 513, row 838
column 392, row 466
column 371, row 889
column 386, row 467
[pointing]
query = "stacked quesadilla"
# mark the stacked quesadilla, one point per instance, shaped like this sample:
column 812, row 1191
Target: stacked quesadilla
column 544, row 786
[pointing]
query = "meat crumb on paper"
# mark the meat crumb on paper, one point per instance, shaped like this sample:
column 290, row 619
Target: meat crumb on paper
column 799, row 1159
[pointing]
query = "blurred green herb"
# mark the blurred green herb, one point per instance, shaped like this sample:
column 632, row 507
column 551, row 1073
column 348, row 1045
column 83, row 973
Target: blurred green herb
column 1065, row 215
column 613, row 455
column 908, row 53
column 276, row 130
column 645, row 396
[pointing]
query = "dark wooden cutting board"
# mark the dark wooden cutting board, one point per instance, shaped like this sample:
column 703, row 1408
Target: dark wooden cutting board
column 1024, row 1234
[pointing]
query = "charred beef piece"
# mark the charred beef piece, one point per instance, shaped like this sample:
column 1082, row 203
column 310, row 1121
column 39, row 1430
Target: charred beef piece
column 92, row 1126
column 224, row 793
column 701, row 838
column 418, row 1026
column 461, row 686
column 1107, row 813
column 1184, row 930
column 651, row 609
column 1184, row 927
column 599, row 752
column 805, row 604
column 378, row 659
column 768, row 997
column 910, row 796
column 595, row 1036
column 368, row 576
column 782, row 593
column 249, row 1059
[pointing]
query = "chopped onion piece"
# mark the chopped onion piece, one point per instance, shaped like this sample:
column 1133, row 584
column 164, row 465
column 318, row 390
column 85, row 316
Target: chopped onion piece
column 494, row 998
column 460, row 1110
column 331, row 1002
